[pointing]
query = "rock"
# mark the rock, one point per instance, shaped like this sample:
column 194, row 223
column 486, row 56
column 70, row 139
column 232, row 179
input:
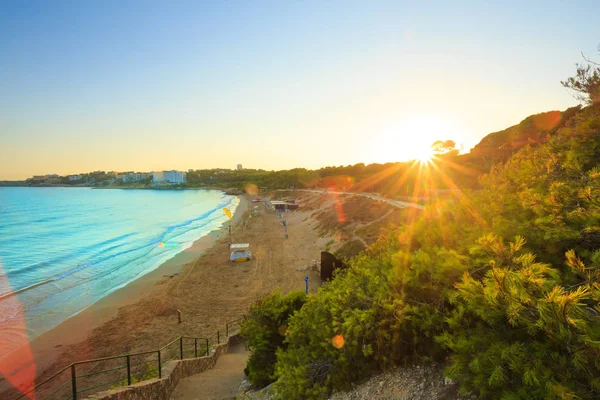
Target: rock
column 266, row 393
column 245, row 386
column 419, row 382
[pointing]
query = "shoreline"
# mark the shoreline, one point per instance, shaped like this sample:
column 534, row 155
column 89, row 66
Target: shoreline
column 207, row 188
column 46, row 348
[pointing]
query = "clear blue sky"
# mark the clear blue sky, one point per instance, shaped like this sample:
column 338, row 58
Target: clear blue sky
column 123, row 85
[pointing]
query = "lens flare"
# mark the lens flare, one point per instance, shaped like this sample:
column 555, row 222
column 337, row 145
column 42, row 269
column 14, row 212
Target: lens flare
column 282, row 329
column 339, row 209
column 252, row 189
column 337, row 341
column 17, row 364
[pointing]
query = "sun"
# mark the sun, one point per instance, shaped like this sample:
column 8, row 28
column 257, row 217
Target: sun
column 424, row 155
column 410, row 138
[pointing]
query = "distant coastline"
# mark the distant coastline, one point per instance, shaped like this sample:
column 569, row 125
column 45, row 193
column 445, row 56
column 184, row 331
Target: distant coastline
column 122, row 187
column 13, row 183
column 151, row 187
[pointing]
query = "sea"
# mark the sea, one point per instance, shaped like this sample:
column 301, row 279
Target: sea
column 63, row 249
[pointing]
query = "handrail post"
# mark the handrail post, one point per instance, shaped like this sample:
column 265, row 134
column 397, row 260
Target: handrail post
column 128, row 370
column 74, row 381
column 181, row 347
column 159, row 366
column 207, row 350
column 218, row 338
column 195, row 347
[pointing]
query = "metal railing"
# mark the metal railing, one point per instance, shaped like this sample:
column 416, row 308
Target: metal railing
column 81, row 378
column 233, row 327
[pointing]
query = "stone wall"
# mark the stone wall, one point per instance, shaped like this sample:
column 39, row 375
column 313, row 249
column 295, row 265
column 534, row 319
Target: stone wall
column 173, row 372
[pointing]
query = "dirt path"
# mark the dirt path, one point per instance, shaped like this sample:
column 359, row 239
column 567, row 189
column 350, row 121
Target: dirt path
column 220, row 383
column 372, row 196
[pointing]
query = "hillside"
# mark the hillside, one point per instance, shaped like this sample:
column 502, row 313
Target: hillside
column 535, row 129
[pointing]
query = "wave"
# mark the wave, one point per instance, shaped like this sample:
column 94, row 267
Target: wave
column 148, row 245
column 76, row 252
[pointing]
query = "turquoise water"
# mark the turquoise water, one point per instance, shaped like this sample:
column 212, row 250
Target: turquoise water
column 62, row 249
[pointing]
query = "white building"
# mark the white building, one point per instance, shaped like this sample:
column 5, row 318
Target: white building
column 133, row 177
column 74, row 178
column 239, row 167
column 169, row 177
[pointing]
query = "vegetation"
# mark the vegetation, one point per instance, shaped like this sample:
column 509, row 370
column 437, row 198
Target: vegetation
column 519, row 332
column 264, row 329
column 371, row 306
column 586, row 82
column 502, row 283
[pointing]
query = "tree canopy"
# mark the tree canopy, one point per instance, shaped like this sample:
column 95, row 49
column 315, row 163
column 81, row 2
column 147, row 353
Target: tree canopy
column 445, row 147
column 586, row 81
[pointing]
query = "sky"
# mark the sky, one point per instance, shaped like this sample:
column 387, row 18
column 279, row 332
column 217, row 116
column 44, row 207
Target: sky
column 156, row 85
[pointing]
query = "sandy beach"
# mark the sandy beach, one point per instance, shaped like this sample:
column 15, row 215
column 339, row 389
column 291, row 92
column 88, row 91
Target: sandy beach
column 201, row 282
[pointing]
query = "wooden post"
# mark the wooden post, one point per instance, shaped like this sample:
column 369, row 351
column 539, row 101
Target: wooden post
column 73, row 382
column 159, row 366
column 128, row 370
column 179, row 315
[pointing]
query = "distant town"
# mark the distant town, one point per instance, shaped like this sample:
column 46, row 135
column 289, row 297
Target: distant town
column 357, row 177
column 128, row 178
column 236, row 178
column 102, row 178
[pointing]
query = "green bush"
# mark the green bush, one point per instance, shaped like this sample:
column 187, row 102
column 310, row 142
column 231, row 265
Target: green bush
column 264, row 329
column 518, row 333
column 388, row 307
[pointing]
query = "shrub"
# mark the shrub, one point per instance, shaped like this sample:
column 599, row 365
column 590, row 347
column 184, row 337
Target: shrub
column 519, row 333
column 386, row 307
column 264, row 329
